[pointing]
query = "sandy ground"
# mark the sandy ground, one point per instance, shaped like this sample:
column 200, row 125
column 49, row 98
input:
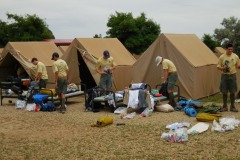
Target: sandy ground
column 51, row 135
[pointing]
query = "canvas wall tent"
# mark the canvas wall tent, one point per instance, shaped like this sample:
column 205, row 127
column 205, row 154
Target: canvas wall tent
column 63, row 49
column 197, row 73
column 1, row 49
column 219, row 51
column 83, row 53
column 21, row 53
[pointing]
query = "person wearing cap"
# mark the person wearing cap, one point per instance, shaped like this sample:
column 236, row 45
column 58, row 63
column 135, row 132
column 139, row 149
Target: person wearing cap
column 170, row 76
column 105, row 66
column 228, row 64
column 60, row 69
column 42, row 76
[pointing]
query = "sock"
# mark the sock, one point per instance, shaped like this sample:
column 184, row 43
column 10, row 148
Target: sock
column 60, row 102
column 232, row 99
column 225, row 99
column 63, row 103
column 171, row 99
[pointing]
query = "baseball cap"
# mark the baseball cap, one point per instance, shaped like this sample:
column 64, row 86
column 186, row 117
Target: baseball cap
column 106, row 54
column 158, row 60
column 55, row 54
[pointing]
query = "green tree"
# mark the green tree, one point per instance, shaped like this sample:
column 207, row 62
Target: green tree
column 229, row 33
column 97, row 36
column 136, row 34
column 210, row 41
column 24, row 28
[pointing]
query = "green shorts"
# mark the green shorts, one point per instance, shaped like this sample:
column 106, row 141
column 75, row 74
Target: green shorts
column 106, row 81
column 228, row 83
column 43, row 83
column 61, row 86
column 172, row 79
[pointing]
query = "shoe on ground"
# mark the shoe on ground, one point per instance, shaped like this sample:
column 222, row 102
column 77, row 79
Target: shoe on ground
column 63, row 110
column 223, row 109
column 233, row 109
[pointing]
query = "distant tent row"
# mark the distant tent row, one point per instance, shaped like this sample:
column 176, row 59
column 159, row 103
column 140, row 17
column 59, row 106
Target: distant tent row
column 196, row 64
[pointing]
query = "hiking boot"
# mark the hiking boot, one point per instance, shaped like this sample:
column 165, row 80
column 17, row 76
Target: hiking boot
column 233, row 109
column 224, row 109
column 63, row 110
column 60, row 109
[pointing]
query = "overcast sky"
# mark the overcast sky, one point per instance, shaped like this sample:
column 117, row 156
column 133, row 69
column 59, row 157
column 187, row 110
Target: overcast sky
column 69, row 19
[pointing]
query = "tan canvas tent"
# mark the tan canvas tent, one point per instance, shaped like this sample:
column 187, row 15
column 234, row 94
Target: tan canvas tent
column 1, row 49
column 219, row 51
column 63, row 49
column 82, row 54
column 21, row 53
column 197, row 73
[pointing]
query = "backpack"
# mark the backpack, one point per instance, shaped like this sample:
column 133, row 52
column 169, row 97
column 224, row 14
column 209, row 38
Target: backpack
column 91, row 94
column 163, row 90
column 40, row 98
column 49, row 107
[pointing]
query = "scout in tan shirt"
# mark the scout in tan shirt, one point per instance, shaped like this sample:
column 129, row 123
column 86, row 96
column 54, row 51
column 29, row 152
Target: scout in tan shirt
column 105, row 66
column 170, row 76
column 42, row 76
column 228, row 64
column 60, row 69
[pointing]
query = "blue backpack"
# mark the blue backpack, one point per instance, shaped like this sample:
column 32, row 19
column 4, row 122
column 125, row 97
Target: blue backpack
column 48, row 107
column 40, row 98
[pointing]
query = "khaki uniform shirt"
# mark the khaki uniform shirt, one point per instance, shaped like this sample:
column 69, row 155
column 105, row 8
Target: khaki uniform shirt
column 101, row 63
column 41, row 68
column 231, row 61
column 167, row 64
column 61, row 67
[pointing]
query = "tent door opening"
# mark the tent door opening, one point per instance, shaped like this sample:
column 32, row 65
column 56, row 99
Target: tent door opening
column 85, row 75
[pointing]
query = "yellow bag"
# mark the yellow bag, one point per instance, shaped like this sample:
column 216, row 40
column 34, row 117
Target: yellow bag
column 207, row 117
column 50, row 92
column 103, row 121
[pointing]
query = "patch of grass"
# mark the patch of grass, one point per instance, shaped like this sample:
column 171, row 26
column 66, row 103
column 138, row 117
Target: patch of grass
column 216, row 98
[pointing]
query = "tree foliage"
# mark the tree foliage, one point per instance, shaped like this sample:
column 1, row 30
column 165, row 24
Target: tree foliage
column 210, row 41
column 136, row 34
column 23, row 28
column 230, row 33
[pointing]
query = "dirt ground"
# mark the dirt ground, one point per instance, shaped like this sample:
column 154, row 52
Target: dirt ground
column 51, row 135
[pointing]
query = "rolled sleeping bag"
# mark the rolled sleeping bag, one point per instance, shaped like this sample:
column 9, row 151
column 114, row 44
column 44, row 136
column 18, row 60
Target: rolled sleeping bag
column 190, row 111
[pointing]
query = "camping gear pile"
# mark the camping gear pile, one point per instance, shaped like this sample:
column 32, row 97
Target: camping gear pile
column 34, row 101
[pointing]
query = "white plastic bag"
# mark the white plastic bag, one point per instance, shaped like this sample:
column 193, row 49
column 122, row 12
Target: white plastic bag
column 217, row 127
column 30, row 107
column 129, row 116
column 178, row 135
column 225, row 124
column 120, row 110
column 20, row 104
column 147, row 112
column 177, row 125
